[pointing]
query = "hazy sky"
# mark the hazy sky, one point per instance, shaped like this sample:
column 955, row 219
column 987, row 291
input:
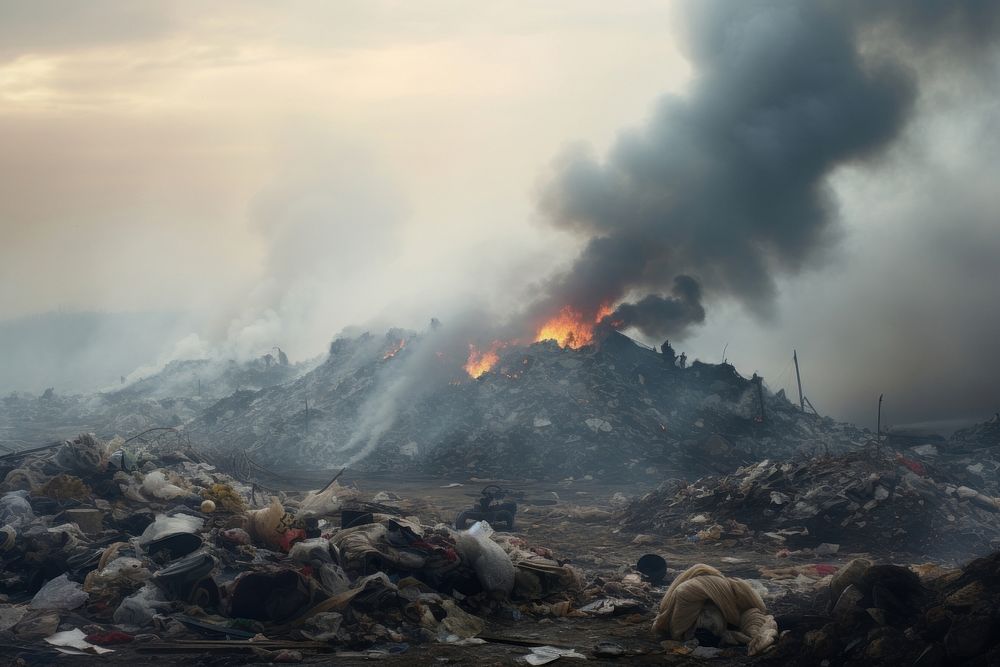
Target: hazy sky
column 278, row 171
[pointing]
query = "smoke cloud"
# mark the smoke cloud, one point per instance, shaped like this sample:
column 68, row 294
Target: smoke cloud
column 726, row 189
column 657, row 316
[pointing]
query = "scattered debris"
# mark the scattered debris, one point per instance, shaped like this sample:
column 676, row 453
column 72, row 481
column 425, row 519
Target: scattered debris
column 287, row 568
column 892, row 615
column 822, row 505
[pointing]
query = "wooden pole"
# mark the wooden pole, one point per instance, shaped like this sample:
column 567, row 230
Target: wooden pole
column 798, row 380
column 878, row 428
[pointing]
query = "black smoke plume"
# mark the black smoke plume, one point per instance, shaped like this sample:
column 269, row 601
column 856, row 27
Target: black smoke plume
column 726, row 189
column 658, row 316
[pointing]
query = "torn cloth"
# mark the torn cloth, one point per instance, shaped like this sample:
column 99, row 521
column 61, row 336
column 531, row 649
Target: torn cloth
column 701, row 594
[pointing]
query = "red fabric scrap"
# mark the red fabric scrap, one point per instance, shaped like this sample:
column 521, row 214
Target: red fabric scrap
column 290, row 537
column 915, row 466
column 109, row 638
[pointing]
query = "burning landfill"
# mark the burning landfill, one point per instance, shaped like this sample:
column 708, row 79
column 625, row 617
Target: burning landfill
column 777, row 537
column 536, row 487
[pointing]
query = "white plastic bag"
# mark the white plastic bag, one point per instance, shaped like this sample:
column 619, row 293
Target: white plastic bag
column 322, row 503
column 121, row 571
column 15, row 510
column 138, row 609
column 165, row 525
column 60, row 594
column 493, row 566
column 333, row 579
column 307, row 551
column 155, row 485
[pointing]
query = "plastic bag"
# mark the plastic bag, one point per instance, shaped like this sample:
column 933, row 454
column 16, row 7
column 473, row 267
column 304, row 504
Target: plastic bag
column 333, row 579
column 21, row 479
column 15, row 510
column 492, row 565
column 60, row 594
column 268, row 525
column 457, row 623
column 83, row 454
column 119, row 572
column 322, row 503
column 155, row 485
column 70, row 535
column 323, row 627
column 317, row 549
column 139, row 609
column 165, row 525
column 123, row 460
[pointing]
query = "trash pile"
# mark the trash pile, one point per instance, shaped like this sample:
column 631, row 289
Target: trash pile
column 858, row 502
column 878, row 614
column 613, row 409
column 103, row 544
column 971, row 454
column 173, row 396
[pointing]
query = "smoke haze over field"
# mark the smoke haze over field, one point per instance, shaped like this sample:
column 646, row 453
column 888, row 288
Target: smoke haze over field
column 764, row 174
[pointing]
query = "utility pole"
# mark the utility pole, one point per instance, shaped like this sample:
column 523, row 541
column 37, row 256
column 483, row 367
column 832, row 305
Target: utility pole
column 798, row 380
column 878, row 428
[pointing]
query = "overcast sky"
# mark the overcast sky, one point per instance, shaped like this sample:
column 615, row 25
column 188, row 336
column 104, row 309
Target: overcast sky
column 276, row 172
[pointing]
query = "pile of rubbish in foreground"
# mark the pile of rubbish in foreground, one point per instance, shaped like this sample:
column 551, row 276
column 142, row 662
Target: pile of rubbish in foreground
column 859, row 501
column 103, row 545
column 877, row 614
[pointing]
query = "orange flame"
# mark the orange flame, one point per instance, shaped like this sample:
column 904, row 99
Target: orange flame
column 569, row 328
column 394, row 349
column 481, row 361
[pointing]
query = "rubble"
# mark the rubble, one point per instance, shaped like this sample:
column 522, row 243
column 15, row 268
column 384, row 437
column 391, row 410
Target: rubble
column 821, row 505
column 881, row 614
column 319, row 570
column 971, row 456
column 173, row 396
column 612, row 409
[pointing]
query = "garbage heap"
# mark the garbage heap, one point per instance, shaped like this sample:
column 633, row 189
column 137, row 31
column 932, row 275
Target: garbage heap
column 614, row 409
column 176, row 394
column 880, row 614
column 101, row 544
column 972, row 453
column 859, row 502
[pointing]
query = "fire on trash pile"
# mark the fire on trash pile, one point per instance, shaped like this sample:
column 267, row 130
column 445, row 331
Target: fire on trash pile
column 857, row 501
column 612, row 408
column 105, row 544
